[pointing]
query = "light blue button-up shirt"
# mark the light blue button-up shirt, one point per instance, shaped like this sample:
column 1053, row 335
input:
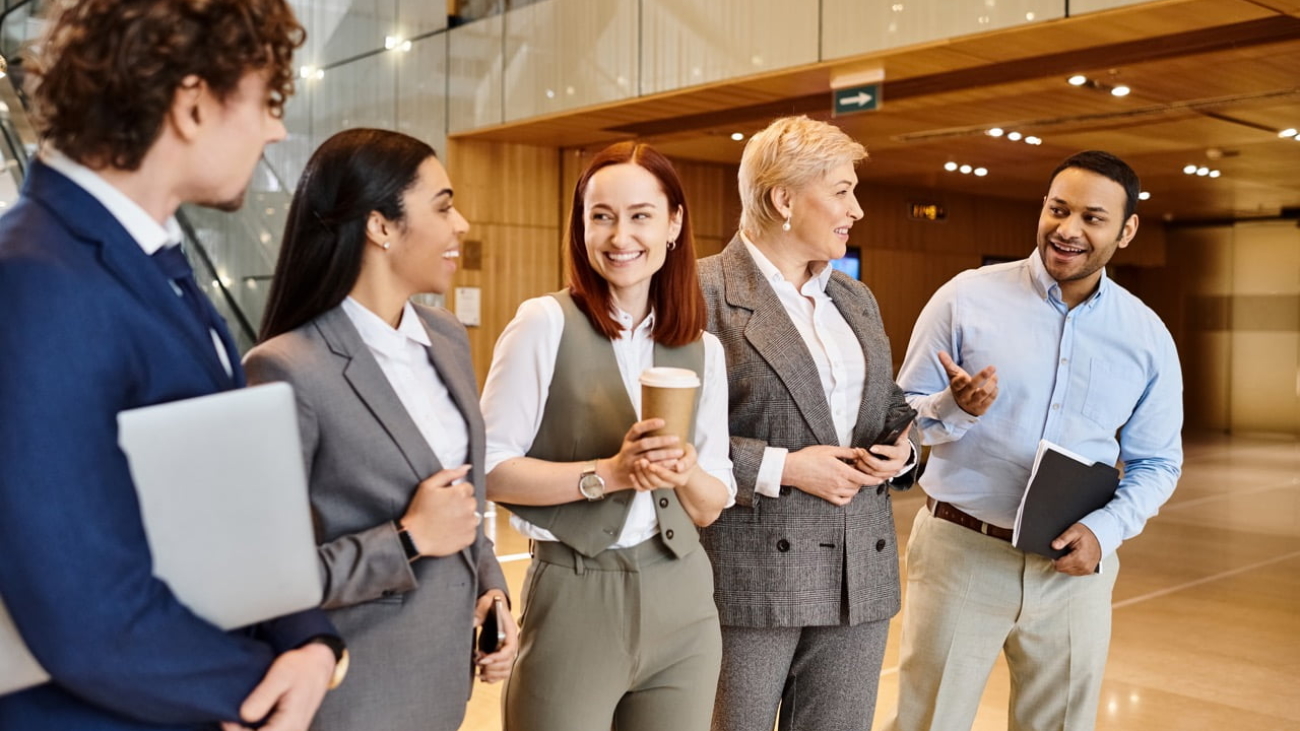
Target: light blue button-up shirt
column 1101, row 380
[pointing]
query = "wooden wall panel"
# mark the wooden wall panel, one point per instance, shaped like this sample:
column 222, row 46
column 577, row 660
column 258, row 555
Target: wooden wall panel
column 510, row 195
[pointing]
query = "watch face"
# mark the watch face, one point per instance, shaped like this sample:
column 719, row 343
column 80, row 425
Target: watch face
column 591, row 486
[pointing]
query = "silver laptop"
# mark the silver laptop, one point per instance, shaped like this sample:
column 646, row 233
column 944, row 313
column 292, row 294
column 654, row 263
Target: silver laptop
column 223, row 494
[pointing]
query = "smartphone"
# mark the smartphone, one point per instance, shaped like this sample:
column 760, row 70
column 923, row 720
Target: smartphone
column 899, row 419
column 493, row 631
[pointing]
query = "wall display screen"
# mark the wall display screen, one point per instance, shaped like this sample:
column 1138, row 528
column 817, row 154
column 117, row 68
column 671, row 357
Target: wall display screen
column 850, row 263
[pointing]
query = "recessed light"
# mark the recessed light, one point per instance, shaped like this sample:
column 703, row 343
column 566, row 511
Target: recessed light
column 981, row 172
column 1014, row 136
column 950, row 166
column 1202, row 171
column 1144, row 196
column 1077, row 80
column 1120, row 90
column 995, row 132
column 1190, row 169
column 965, row 169
column 1288, row 132
column 1214, row 173
column 738, row 136
column 1031, row 140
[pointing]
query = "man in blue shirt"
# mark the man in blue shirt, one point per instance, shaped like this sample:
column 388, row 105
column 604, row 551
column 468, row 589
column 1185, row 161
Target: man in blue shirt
column 1001, row 357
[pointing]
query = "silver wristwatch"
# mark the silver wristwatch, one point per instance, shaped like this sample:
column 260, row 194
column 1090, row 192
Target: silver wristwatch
column 590, row 484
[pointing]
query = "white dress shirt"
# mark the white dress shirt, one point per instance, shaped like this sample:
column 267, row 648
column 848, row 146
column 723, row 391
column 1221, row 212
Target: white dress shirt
column 834, row 348
column 138, row 224
column 519, row 383
column 403, row 357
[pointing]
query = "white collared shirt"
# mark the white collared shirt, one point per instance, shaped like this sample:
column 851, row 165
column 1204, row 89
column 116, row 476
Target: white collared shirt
column 834, row 348
column 148, row 233
column 519, row 382
column 403, row 357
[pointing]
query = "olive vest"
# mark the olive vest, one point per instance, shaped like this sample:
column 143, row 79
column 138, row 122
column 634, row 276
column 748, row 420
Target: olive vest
column 587, row 413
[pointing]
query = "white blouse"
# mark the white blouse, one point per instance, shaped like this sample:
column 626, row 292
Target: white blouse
column 403, row 357
column 519, row 383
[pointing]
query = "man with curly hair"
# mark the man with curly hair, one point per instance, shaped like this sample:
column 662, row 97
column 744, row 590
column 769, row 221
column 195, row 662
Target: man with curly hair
column 143, row 105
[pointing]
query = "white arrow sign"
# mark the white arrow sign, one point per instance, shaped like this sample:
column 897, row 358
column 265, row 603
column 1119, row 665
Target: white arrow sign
column 861, row 100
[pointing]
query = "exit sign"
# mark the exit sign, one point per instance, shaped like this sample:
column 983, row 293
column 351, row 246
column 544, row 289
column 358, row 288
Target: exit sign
column 854, row 99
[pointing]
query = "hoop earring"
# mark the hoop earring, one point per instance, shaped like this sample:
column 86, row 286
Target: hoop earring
column 786, row 226
column 672, row 245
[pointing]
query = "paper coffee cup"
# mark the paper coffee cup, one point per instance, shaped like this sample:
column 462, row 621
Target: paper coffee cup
column 669, row 394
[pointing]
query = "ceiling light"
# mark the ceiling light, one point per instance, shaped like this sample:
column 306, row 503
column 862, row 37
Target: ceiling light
column 1202, row 171
column 738, row 136
column 1214, row 173
column 981, row 172
column 1189, row 169
column 950, row 166
column 1144, row 196
column 1014, row 136
column 995, row 132
column 311, row 72
column 1077, row 80
column 1120, row 90
column 1288, row 132
column 965, row 169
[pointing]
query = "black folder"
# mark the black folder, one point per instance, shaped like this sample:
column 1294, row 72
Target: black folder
column 1063, row 488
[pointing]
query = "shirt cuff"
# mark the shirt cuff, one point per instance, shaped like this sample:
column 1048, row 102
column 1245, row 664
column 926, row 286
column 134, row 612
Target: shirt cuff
column 947, row 411
column 768, row 482
column 1103, row 526
column 911, row 462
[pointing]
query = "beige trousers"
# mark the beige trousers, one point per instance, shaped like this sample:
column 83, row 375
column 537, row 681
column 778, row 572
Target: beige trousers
column 969, row 597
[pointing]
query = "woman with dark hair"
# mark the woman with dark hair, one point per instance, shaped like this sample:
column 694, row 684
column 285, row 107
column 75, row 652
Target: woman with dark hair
column 391, row 430
column 619, row 624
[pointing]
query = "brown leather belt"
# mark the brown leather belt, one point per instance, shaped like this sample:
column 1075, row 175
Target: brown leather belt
column 953, row 515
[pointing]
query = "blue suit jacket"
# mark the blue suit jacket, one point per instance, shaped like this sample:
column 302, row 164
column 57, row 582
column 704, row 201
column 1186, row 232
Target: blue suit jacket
column 89, row 326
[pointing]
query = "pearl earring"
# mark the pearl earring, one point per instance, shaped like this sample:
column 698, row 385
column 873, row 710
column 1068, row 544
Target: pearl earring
column 786, row 226
column 387, row 245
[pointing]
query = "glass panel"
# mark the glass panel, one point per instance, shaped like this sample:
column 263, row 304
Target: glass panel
column 686, row 42
column 851, row 27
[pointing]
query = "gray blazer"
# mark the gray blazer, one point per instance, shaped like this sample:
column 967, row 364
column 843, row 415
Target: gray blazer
column 408, row 626
column 792, row 561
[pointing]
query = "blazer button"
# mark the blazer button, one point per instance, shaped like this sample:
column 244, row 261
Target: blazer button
column 668, row 534
column 880, row 544
column 783, row 545
column 663, row 502
column 880, row 489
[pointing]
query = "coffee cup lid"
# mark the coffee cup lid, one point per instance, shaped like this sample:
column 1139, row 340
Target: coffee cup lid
column 662, row 377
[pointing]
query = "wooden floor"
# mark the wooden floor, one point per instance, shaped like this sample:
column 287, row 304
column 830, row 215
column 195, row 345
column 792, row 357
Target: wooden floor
column 1207, row 604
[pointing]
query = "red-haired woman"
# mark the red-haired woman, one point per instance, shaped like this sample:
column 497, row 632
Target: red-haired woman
column 619, row 625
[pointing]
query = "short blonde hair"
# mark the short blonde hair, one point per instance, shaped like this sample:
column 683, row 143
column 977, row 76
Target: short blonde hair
column 791, row 153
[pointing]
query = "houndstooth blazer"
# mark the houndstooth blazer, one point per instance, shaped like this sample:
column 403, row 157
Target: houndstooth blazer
column 795, row 560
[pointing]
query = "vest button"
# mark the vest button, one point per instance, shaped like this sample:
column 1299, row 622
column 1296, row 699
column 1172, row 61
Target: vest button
column 880, row 489
column 668, row 534
column 663, row 502
column 880, row 544
column 783, row 545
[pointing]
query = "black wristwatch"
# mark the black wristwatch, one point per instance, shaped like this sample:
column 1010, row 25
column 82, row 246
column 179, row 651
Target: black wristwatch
column 408, row 543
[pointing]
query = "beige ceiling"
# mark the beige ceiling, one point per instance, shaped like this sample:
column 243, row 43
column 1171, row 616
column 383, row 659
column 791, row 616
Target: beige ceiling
column 1213, row 81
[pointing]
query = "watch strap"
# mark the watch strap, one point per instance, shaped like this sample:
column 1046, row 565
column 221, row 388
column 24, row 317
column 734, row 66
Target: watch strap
column 408, row 543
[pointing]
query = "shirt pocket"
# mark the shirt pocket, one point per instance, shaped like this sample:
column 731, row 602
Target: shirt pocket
column 1113, row 392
